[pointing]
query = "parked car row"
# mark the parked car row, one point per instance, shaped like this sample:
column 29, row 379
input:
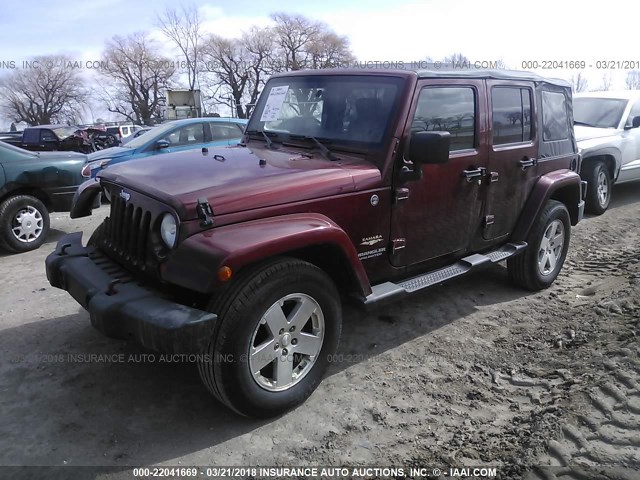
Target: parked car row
column 35, row 182
column 47, row 138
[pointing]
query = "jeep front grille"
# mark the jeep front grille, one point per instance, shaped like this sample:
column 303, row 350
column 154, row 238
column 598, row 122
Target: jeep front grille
column 127, row 233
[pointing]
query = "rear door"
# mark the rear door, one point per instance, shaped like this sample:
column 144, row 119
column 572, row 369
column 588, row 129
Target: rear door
column 512, row 165
column 439, row 214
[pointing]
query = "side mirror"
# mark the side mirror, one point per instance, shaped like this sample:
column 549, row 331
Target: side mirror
column 635, row 122
column 160, row 144
column 429, row 147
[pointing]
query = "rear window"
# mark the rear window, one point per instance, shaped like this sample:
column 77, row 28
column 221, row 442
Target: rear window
column 555, row 121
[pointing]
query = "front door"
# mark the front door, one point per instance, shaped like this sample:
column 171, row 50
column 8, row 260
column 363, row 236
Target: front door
column 437, row 215
column 630, row 168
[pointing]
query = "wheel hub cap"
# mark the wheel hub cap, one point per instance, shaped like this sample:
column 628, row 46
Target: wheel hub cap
column 551, row 248
column 27, row 225
column 286, row 343
column 603, row 188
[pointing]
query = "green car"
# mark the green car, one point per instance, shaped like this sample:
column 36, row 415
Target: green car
column 32, row 184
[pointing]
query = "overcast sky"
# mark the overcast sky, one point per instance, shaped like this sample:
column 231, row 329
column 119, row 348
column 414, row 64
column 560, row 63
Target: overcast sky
column 378, row 30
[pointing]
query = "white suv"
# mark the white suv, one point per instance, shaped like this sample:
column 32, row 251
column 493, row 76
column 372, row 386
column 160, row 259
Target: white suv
column 606, row 127
column 123, row 131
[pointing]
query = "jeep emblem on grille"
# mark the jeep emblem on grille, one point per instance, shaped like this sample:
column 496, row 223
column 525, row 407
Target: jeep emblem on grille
column 125, row 195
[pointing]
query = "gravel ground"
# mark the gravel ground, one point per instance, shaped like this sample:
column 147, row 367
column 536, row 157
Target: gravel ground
column 475, row 372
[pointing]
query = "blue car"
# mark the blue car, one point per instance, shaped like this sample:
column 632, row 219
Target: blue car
column 172, row 136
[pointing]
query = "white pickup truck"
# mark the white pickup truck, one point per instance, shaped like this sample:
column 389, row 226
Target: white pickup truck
column 607, row 129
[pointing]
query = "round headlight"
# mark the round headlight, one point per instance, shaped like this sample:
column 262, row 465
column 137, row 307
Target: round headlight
column 169, row 230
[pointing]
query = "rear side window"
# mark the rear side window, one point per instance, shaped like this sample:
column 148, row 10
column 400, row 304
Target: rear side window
column 555, row 122
column 31, row 135
column 192, row 133
column 511, row 113
column 450, row 109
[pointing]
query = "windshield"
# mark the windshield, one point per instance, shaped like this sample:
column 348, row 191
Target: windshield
column 158, row 132
column 598, row 112
column 64, row 132
column 340, row 110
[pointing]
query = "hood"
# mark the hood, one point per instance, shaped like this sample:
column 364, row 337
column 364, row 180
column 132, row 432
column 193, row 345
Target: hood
column 587, row 133
column 234, row 179
column 62, row 156
column 112, row 152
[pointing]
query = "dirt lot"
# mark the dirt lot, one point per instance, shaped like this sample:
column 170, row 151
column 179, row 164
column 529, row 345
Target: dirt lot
column 472, row 373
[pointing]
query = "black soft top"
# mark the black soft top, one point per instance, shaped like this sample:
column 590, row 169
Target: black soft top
column 493, row 74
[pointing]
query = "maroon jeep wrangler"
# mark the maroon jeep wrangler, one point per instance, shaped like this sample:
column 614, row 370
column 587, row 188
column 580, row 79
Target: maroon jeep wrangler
column 367, row 185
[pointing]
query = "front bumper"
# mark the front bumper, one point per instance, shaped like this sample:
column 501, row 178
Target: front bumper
column 120, row 307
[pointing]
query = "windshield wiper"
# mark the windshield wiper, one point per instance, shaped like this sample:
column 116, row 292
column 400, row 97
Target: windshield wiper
column 270, row 143
column 326, row 153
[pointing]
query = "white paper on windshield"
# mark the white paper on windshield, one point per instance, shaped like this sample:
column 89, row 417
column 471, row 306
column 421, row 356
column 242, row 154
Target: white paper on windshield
column 274, row 103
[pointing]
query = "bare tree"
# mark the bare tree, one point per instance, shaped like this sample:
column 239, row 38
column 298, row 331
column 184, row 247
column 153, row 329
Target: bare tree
column 239, row 67
column 138, row 76
column 184, row 28
column 500, row 64
column 329, row 50
column 456, row 60
column 303, row 43
column 606, row 83
column 578, row 82
column 632, row 82
column 52, row 90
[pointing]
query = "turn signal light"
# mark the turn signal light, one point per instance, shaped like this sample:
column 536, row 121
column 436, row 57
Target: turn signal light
column 224, row 274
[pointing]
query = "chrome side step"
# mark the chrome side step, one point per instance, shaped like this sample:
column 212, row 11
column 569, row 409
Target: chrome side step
column 389, row 290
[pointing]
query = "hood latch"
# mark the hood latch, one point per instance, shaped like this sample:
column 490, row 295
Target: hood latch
column 205, row 212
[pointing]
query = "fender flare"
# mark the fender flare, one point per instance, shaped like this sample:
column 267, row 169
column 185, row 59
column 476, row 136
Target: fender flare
column 596, row 151
column 84, row 198
column 562, row 185
column 195, row 262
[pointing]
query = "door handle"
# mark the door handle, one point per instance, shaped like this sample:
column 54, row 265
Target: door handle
column 474, row 174
column 527, row 162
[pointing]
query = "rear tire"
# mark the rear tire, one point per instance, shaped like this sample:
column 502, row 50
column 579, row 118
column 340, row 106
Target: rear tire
column 263, row 359
column 539, row 265
column 24, row 223
column 599, row 187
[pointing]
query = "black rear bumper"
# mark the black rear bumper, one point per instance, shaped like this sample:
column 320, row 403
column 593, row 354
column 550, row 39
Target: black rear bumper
column 120, row 307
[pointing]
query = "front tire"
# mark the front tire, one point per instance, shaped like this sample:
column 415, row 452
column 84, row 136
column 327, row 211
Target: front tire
column 540, row 264
column 599, row 187
column 24, row 223
column 279, row 323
